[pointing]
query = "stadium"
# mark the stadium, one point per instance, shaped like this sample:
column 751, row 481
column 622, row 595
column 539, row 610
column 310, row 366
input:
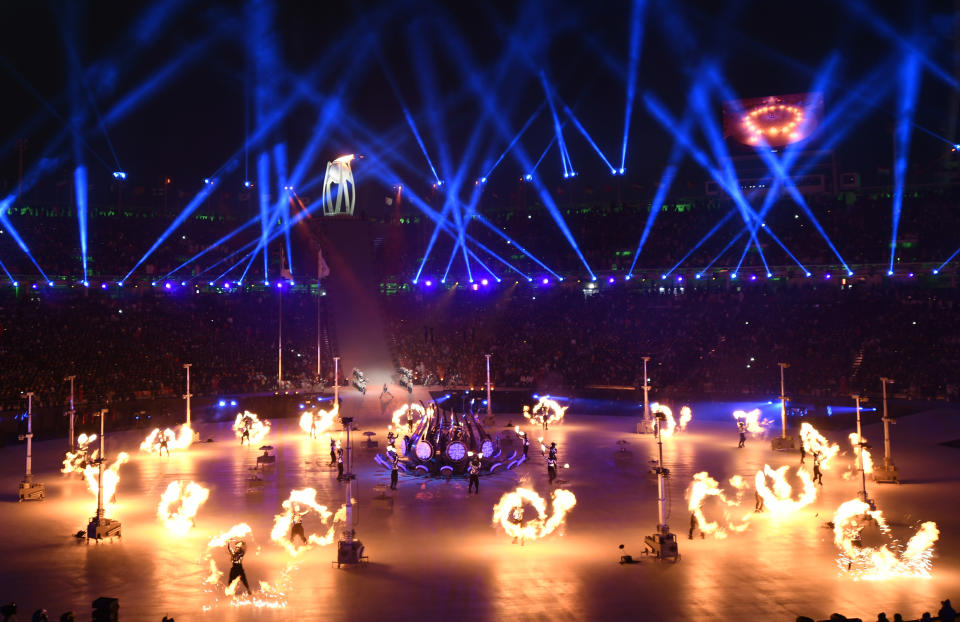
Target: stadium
column 285, row 285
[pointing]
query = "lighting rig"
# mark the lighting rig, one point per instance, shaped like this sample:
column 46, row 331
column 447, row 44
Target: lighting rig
column 887, row 474
column 663, row 543
column 100, row 526
column 29, row 489
column 349, row 550
column 783, row 441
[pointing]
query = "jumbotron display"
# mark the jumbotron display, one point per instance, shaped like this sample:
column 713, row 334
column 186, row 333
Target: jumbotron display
column 776, row 120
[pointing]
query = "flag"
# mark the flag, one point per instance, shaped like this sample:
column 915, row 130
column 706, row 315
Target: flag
column 323, row 270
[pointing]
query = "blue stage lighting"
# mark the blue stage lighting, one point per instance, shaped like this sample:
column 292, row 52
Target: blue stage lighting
column 267, row 283
column 627, row 277
column 663, row 277
column 808, row 274
column 769, row 274
column 611, row 280
column 86, row 283
column 483, row 180
column 889, row 272
column 733, row 276
column 849, row 272
column 247, row 184
column 153, row 284
column 279, row 285
column 207, row 181
column 622, row 171
column 484, row 282
column 910, row 275
column 119, row 175
column 49, row 283
column 696, row 276
column 168, row 285
column 827, row 276
column 753, row 277
column 935, row 271
column 222, row 403
column 233, row 402
column 679, row 278
column 528, row 176
column 210, row 283
column 103, row 286
column 428, row 283
column 545, row 281
column 16, row 283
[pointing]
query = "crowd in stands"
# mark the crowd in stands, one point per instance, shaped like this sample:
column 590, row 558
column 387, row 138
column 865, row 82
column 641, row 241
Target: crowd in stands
column 946, row 613
column 132, row 343
column 701, row 339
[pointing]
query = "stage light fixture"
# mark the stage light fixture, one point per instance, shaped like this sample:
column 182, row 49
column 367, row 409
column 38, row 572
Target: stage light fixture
column 889, row 272
column 16, row 283
column 86, row 283
column 545, row 281
column 769, row 274
column 528, row 176
column 207, row 181
column 484, row 282
column 826, row 276
column 936, row 271
column 248, row 184
column 119, row 175
column 429, row 283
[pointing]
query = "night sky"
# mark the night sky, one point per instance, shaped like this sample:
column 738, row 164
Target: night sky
column 218, row 67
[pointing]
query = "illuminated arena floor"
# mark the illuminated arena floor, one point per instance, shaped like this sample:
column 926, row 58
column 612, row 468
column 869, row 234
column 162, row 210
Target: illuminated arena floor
column 437, row 555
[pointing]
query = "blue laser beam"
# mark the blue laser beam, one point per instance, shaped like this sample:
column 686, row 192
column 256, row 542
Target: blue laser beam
column 636, row 36
column 80, row 190
column 906, row 104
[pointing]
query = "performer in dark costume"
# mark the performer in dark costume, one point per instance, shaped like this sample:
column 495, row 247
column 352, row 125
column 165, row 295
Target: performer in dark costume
column 236, row 569
column 394, row 470
column 339, row 463
column 297, row 528
column 742, row 428
column 333, row 451
column 526, row 446
column 163, row 445
column 473, row 470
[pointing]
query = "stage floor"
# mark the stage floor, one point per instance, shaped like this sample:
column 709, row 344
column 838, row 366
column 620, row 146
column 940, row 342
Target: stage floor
column 438, row 555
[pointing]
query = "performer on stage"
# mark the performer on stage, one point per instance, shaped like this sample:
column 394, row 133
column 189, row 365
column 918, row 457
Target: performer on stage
column 237, row 552
column 297, row 528
column 339, row 464
column 394, row 470
column 473, row 470
column 333, row 451
column 742, row 428
column 163, row 445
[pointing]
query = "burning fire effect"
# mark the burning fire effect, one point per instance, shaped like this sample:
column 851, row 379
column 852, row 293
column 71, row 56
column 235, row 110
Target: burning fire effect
column 301, row 502
column 856, row 440
column 316, row 423
column 75, row 461
column 545, row 412
column 755, row 425
column 815, row 443
column 249, row 421
column 400, row 415
column 175, row 440
column 778, row 499
column 179, row 505
column 111, row 478
column 510, row 513
column 881, row 562
column 669, row 425
column 268, row 596
column 704, row 486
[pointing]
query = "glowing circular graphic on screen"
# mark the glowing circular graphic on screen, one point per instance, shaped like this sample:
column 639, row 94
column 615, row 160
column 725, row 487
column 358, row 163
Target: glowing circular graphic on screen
column 424, row 450
column 487, row 447
column 456, row 451
column 773, row 122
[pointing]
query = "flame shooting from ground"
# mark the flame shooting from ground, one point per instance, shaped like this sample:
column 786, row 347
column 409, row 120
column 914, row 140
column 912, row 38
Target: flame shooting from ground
column 546, row 411
column 316, row 423
column 181, row 439
column 179, row 505
column 855, row 440
column 400, row 415
column 880, row 562
column 111, row 478
column 704, row 486
column 75, row 461
column 267, row 596
column 755, row 425
column 778, row 500
column 508, row 513
column 303, row 501
column 248, row 420
column 669, row 425
column 815, row 443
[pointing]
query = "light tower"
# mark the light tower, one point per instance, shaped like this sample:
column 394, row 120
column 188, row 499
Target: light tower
column 72, row 413
column 29, row 489
column 100, row 526
column 783, row 441
column 861, row 444
column 662, row 544
column 489, row 418
column 350, row 550
column 888, row 473
column 645, row 426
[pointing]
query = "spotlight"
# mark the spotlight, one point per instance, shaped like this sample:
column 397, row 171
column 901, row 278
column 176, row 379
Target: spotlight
column 697, row 276
column 207, row 181
column 889, row 272
column 119, row 283
column 753, row 277
column 183, row 283
column 910, row 275
column 528, row 177
column 248, row 184
column 610, row 280
column 849, row 272
column 34, row 286
column 119, row 175
column 628, row 277
column 16, row 283
column 545, row 281
column 103, row 286
column 663, row 277
column 808, row 274
column 769, row 274
column 621, row 171
column 475, row 287
column 936, row 272
column 565, row 175
column 679, row 278
column 483, row 180
column 827, row 276
column 613, row 171
column 279, row 285
column 267, row 283
column 956, row 147
column 49, row 283
column 168, row 285
column 440, row 182
column 153, row 283
column 733, row 276
column 428, row 283
column 86, row 283
column 484, row 282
